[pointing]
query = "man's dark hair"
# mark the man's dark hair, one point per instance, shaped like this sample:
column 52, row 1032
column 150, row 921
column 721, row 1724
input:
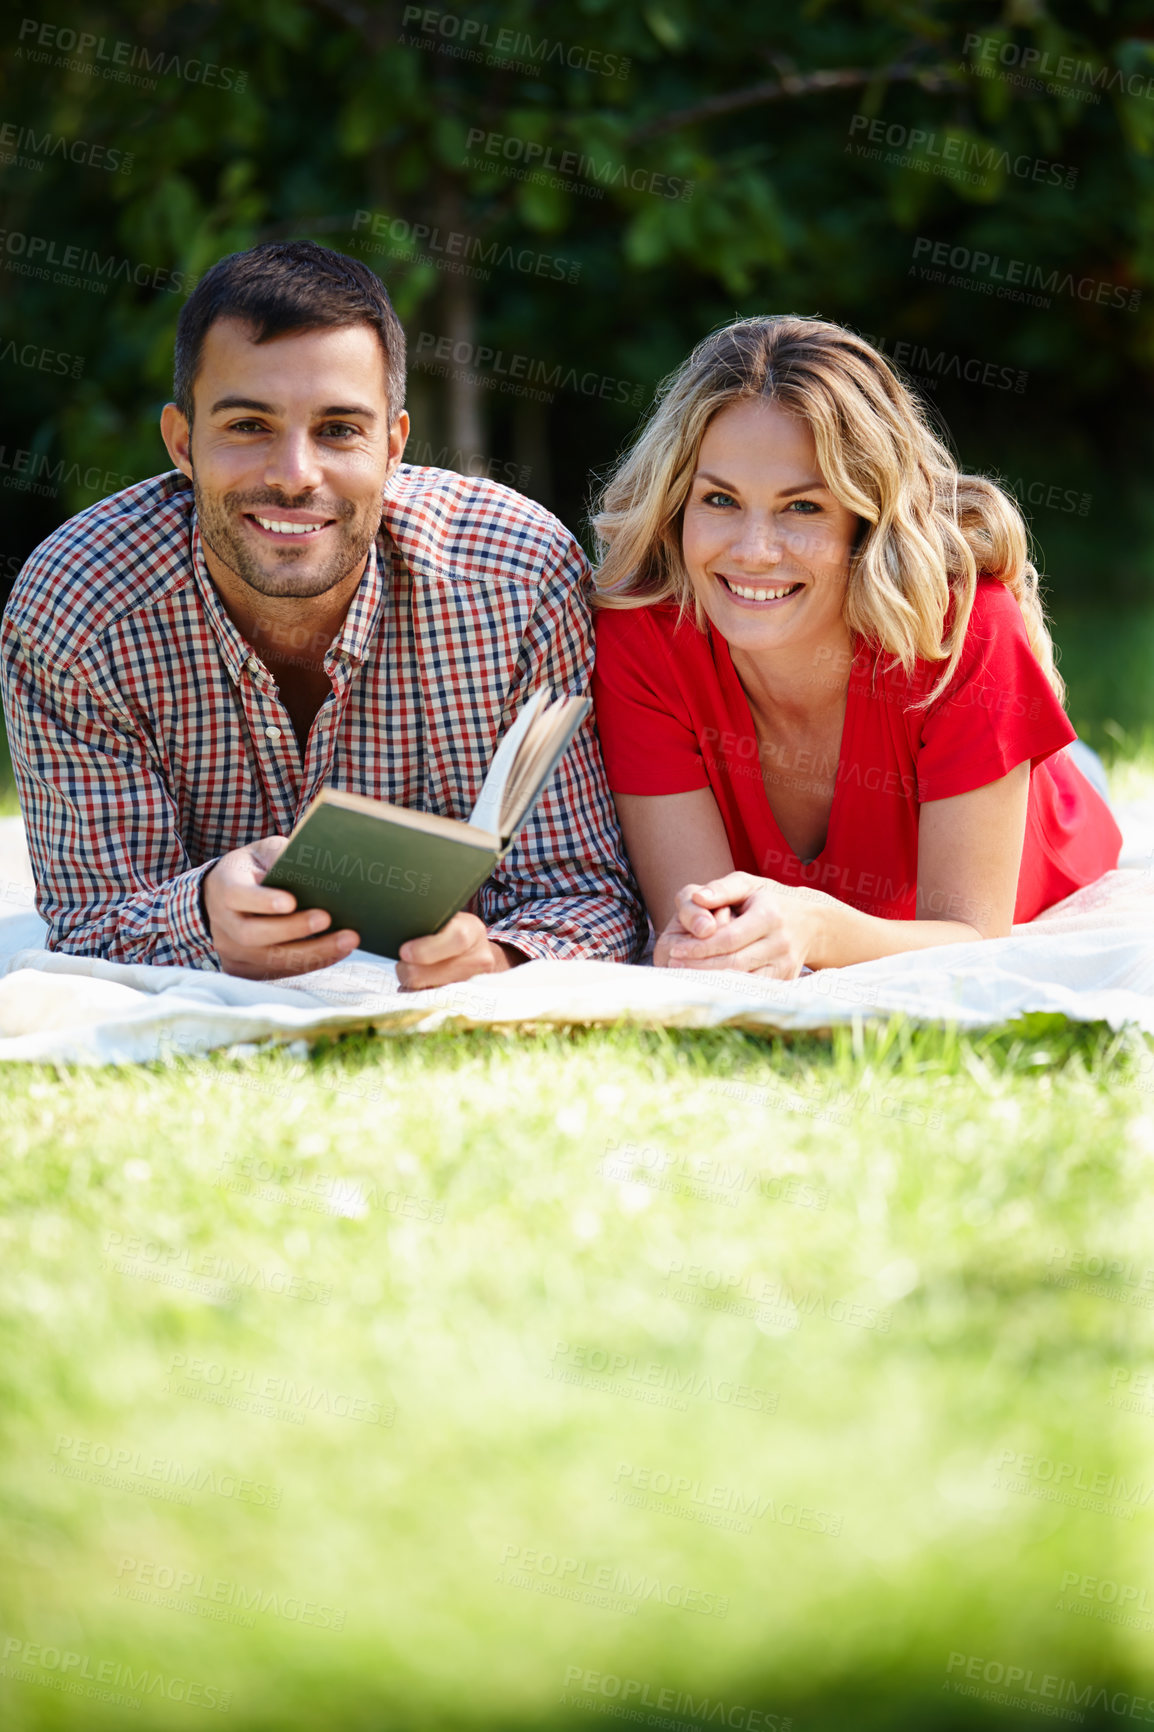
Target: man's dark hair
column 286, row 286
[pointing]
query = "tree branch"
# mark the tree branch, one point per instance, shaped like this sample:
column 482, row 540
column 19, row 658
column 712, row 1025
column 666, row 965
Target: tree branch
column 799, row 84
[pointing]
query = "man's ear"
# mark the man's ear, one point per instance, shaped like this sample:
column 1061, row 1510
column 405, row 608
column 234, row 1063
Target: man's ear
column 177, row 436
column 398, row 439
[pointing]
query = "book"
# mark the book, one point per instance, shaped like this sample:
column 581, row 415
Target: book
column 391, row 874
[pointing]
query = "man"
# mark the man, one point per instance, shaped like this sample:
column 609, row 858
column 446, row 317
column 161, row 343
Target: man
column 187, row 663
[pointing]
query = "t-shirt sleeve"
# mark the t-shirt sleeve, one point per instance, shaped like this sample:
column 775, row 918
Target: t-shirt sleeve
column 647, row 738
column 998, row 710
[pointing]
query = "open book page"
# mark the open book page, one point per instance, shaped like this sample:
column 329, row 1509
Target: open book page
column 525, row 760
column 542, row 746
column 486, row 814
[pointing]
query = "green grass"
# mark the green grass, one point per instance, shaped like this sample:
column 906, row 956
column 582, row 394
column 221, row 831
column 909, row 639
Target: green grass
column 1105, row 659
column 824, row 1272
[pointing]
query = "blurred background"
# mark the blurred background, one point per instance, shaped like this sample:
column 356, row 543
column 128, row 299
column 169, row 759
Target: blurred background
column 563, row 199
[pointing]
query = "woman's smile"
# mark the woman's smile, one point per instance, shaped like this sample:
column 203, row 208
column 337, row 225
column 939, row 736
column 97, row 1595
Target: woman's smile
column 760, row 595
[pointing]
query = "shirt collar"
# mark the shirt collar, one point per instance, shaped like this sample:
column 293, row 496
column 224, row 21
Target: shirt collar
column 354, row 638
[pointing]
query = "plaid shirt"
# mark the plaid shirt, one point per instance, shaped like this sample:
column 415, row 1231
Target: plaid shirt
column 148, row 739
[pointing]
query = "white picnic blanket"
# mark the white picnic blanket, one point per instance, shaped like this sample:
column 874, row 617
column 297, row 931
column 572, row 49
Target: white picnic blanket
column 1091, row 958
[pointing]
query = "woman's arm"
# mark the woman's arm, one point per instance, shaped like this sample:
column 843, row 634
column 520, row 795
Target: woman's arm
column 969, row 856
column 672, row 840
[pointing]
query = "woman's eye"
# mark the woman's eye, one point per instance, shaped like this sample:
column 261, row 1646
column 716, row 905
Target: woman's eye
column 717, row 498
column 804, row 507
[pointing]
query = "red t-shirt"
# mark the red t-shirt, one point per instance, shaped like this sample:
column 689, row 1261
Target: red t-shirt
column 673, row 716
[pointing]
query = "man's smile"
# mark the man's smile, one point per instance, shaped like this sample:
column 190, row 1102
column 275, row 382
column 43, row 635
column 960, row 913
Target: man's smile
column 281, row 528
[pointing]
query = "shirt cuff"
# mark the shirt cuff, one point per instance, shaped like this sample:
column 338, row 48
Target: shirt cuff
column 188, row 918
column 540, row 946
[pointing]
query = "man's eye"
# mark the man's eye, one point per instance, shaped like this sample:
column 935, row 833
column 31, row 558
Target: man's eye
column 338, row 430
column 246, row 427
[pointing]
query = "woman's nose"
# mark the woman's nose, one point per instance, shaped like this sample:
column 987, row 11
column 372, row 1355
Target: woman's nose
column 760, row 543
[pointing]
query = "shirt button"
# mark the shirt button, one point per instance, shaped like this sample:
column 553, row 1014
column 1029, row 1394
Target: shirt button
column 252, row 665
column 272, row 733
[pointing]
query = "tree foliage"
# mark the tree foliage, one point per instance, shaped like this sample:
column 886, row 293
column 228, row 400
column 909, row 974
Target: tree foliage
column 563, row 198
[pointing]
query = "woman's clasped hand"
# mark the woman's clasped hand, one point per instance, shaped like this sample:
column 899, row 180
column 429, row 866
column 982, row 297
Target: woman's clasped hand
column 742, row 922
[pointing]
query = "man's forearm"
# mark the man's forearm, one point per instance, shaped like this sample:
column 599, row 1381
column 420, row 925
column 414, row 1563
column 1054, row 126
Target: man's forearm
column 163, row 925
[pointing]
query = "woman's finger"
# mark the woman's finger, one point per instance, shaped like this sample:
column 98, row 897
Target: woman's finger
column 761, row 921
column 734, row 887
column 690, row 915
column 760, row 957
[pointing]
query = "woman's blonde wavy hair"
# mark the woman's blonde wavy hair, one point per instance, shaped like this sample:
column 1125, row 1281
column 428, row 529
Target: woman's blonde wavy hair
column 927, row 533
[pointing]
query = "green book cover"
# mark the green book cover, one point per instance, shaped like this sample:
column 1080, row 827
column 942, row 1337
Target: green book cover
column 388, row 874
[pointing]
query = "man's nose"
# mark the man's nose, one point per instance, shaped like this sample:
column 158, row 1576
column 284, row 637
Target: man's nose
column 293, row 464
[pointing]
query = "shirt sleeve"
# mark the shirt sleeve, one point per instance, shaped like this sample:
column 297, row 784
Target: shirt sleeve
column 113, row 878
column 565, row 890
column 998, row 711
column 649, row 747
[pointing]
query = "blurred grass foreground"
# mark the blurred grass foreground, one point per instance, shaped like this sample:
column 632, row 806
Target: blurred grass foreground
column 488, row 1382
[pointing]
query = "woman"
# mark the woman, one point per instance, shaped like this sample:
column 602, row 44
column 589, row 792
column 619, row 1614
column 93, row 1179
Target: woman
column 825, row 689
